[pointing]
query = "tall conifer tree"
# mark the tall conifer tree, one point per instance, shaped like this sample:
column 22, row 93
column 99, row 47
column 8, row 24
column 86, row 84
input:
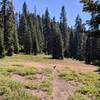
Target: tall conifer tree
column 2, row 51
column 14, row 29
column 24, row 31
column 57, row 47
column 64, row 31
column 93, row 34
column 47, row 33
column 71, row 43
column 77, row 38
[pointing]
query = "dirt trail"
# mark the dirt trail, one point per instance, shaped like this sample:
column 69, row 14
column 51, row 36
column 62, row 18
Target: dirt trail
column 62, row 90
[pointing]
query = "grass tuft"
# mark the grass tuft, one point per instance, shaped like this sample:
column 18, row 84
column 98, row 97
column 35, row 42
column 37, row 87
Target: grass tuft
column 68, row 75
column 46, row 86
column 90, row 89
column 12, row 90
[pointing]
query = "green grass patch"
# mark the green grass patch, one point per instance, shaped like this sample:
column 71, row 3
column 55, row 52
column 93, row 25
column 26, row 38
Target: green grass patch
column 48, row 73
column 18, row 70
column 12, row 90
column 29, row 85
column 68, row 75
column 90, row 82
column 7, row 69
column 22, row 57
column 46, row 86
column 26, row 71
column 78, row 96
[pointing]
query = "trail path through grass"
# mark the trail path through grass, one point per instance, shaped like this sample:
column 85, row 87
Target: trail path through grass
column 62, row 89
column 38, row 77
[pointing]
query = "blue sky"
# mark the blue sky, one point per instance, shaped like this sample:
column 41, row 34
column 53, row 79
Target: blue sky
column 73, row 7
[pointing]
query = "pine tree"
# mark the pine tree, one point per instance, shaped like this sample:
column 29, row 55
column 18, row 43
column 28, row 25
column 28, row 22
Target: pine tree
column 1, row 44
column 93, row 36
column 14, row 29
column 47, row 33
column 64, row 31
column 35, row 44
column 17, row 20
column 24, row 31
column 4, row 14
column 83, row 45
column 2, row 51
column 27, row 37
column 10, row 35
column 33, row 28
column 15, row 40
column 79, row 28
column 71, row 43
column 40, row 33
column 88, row 51
column 8, row 29
column 57, row 51
column 21, row 34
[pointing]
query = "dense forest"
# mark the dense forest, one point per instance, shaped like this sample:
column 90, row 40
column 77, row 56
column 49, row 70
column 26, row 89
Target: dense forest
column 30, row 33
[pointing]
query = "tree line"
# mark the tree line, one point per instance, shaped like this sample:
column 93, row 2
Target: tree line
column 30, row 33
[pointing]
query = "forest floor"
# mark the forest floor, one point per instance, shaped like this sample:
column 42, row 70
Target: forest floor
column 27, row 77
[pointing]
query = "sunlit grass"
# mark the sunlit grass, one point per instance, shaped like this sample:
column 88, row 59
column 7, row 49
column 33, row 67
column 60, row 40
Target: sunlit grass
column 46, row 86
column 29, row 85
column 12, row 90
column 18, row 70
column 68, row 75
column 90, row 84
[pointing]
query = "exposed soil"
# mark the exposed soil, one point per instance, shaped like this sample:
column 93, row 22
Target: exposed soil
column 37, row 79
column 66, row 63
column 62, row 90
